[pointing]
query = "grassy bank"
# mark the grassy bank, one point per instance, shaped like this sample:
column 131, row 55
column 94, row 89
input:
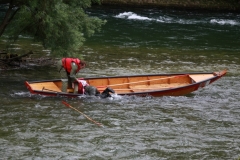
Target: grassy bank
column 228, row 5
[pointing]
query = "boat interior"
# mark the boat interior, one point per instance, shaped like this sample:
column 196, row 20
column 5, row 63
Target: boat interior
column 129, row 84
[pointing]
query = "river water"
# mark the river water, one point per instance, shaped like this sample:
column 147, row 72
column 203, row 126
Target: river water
column 201, row 125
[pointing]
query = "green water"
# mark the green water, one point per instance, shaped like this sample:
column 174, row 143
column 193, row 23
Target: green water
column 202, row 125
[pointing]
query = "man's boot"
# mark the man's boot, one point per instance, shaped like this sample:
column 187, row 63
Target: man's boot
column 108, row 89
column 106, row 94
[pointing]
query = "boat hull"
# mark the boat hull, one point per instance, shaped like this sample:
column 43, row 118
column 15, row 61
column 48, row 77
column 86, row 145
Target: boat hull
column 155, row 85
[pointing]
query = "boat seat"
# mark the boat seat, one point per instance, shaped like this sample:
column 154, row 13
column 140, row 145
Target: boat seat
column 143, row 88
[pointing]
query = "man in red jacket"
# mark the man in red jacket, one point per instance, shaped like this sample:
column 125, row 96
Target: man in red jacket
column 68, row 68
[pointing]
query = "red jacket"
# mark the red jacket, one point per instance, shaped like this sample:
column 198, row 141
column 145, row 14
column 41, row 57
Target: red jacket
column 66, row 63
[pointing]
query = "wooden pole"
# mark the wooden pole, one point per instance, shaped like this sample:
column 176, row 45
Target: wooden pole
column 68, row 105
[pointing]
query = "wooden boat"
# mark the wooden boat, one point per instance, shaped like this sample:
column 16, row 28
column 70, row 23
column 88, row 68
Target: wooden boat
column 156, row 85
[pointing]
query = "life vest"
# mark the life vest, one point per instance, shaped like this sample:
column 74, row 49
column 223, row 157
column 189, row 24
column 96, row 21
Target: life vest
column 81, row 85
column 66, row 63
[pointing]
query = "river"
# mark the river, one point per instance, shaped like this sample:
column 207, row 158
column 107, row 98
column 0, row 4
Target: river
column 201, row 125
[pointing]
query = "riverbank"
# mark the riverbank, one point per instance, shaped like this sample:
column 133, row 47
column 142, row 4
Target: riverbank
column 216, row 5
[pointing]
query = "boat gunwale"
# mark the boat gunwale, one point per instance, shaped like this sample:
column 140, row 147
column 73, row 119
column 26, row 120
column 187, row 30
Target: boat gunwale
column 124, row 76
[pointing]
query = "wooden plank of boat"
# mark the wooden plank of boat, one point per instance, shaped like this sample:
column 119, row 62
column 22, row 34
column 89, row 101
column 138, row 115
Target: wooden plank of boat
column 47, row 86
column 198, row 78
column 142, row 85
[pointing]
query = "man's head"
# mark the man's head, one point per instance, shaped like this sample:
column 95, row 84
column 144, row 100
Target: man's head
column 82, row 64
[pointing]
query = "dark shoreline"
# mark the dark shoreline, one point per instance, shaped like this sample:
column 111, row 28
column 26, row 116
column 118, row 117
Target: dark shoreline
column 181, row 5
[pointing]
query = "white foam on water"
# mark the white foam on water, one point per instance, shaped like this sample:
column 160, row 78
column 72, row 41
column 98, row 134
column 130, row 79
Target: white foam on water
column 225, row 22
column 169, row 19
column 116, row 96
column 131, row 15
